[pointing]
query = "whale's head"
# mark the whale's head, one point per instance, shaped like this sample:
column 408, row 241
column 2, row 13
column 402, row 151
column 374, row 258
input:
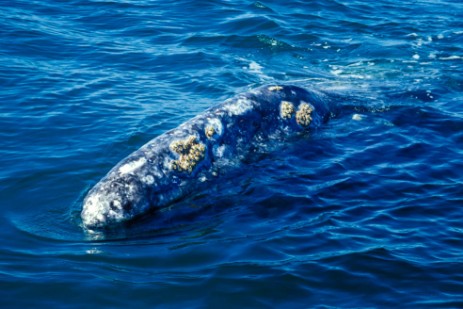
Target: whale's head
column 117, row 198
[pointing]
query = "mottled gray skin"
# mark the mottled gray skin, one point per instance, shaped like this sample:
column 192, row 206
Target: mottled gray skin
column 148, row 180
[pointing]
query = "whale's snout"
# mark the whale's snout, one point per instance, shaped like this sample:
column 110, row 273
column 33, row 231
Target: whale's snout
column 111, row 202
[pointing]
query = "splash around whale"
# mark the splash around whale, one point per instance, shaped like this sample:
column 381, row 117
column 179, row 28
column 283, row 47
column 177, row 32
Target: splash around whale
column 173, row 164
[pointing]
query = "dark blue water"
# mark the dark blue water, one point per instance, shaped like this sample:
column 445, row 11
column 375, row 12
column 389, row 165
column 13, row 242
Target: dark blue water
column 365, row 212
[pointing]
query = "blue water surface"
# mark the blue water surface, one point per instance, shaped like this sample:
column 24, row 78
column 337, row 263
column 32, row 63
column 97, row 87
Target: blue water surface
column 365, row 212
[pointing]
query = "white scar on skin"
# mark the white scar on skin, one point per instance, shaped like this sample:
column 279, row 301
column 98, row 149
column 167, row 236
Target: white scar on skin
column 132, row 166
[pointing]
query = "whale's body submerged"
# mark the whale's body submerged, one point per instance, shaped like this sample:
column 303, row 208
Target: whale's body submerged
column 172, row 164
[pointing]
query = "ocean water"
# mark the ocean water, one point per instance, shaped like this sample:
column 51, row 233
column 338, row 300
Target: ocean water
column 367, row 211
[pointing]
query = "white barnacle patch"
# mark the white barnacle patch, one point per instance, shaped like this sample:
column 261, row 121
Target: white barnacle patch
column 148, row 179
column 238, row 107
column 209, row 131
column 214, row 127
column 190, row 151
column 275, row 88
column 303, row 114
column 286, row 109
column 130, row 167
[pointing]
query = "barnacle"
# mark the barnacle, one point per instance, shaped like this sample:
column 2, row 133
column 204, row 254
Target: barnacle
column 191, row 153
column 303, row 114
column 275, row 88
column 286, row 109
column 209, row 131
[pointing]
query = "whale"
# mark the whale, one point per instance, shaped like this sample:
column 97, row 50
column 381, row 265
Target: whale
column 200, row 151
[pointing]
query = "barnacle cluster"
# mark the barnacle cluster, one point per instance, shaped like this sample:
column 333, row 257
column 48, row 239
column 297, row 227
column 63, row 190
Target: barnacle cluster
column 209, row 131
column 275, row 88
column 191, row 153
column 286, row 109
column 303, row 114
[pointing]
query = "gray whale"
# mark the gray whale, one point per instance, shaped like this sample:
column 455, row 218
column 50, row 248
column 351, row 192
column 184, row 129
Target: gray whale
column 172, row 165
